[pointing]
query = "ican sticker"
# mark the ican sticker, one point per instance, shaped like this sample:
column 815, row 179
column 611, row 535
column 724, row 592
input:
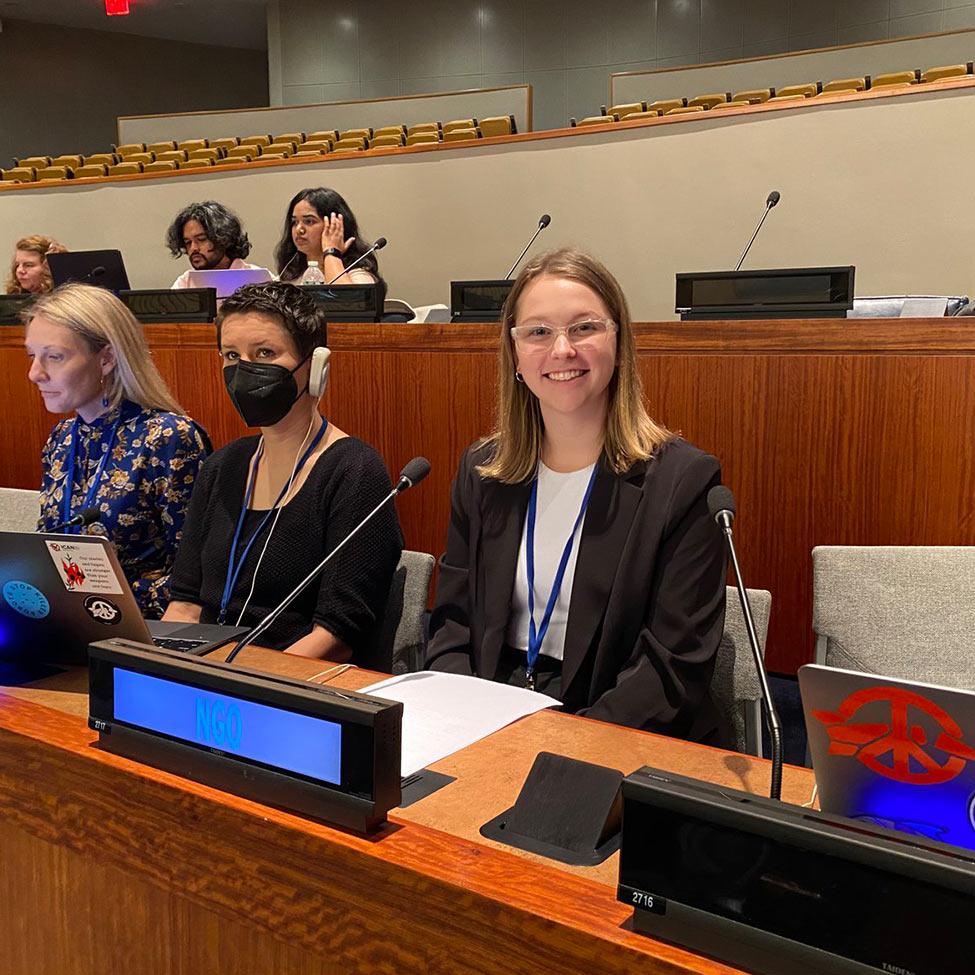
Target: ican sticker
column 26, row 600
column 84, row 567
column 102, row 610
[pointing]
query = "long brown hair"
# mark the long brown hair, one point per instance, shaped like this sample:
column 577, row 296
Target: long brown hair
column 631, row 435
column 42, row 246
column 98, row 318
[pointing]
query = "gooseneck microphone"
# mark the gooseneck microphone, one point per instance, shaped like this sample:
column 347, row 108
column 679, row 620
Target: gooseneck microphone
column 543, row 221
column 773, row 199
column 84, row 518
column 721, row 504
column 410, row 476
column 378, row 246
column 95, row 272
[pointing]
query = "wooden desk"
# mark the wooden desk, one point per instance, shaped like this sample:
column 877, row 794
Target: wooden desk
column 113, row 866
column 829, row 432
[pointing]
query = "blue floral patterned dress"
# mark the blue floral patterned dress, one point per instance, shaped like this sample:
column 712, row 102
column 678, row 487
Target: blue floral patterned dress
column 142, row 491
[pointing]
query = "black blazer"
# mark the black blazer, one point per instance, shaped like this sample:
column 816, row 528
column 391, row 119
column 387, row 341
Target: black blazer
column 647, row 606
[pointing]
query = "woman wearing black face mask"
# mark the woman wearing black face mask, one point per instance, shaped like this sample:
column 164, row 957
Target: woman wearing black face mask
column 267, row 509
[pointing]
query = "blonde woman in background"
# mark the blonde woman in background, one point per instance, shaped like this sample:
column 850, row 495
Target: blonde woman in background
column 129, row 452
column 29, row 273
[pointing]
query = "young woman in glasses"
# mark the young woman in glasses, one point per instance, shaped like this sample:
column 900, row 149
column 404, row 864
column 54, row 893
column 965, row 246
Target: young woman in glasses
column 581, row 560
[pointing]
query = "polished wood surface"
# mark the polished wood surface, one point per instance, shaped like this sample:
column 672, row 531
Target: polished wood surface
column 501, row 140
column 828, row 431
column 106, row 860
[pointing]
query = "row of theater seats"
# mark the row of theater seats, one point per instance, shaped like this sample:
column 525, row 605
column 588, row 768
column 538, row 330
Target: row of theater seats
column 812, row 89
column 157, row 157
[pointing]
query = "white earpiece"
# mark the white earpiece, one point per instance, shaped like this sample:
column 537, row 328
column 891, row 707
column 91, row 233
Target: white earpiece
column 318, row 376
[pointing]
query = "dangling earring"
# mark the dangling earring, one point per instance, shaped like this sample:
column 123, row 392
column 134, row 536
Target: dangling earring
column 104, row 397
column 519, row 377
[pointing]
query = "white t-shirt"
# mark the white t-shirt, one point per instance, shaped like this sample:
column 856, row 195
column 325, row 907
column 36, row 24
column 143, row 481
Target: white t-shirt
column 558, row 502
column 183, row 281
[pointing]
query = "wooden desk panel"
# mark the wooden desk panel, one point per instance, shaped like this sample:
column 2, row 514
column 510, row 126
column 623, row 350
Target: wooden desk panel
column 828, row 431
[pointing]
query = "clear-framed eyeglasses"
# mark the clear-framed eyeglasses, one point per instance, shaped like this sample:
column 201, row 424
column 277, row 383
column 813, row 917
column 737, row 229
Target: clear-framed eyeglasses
column 541, row 336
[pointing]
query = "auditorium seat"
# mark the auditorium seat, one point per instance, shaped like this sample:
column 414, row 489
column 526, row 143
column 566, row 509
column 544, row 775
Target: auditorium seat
column 754, row 96
column 281, row 148
column 687, row 110
column 127, row 168
column 173, row 155
column 423, row 127
column 256, row 140
column 709, row 101
column 188, row 145
column 498, row 125
column 399, row 130
column 731, row 104
column 163, row 165
column 421, row 138
column 19, row 174
column 55, row 172
column 157, row 147
column 590, row 120
column 640, row 115
column 243, row 153
column 214, row 155
column 788, row 98
column 355, row 134
column 90, row 170
column 400, row 642
column 352, row 142
column 460, row 135
column 296, row 137
column 666, row 105
column 386, row 141
column 140, row 157
column 35, row 162
column 202, row 163
column 314, row 149
column 102, row 159
column 946, row 71
column 231, row 142
column 129, row 149
column 806, row 90
column 846, row 84
column 459, row 123
column 346, row 149
column 895, row 78
column 274, row 155
column 623, row 110
column 327, row 135
column 73, row 161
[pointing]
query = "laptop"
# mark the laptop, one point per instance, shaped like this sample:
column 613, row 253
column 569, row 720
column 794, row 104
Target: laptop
column 59, row 593
column 893, row 753
column 104, row 269
column 226, row 282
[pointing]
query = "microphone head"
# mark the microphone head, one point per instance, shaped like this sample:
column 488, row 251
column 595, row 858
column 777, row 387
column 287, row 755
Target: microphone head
column 88, row 515
column 773, row 198
column 544, row 220
column 721, row 499
column 380, row 244
column 413, row 473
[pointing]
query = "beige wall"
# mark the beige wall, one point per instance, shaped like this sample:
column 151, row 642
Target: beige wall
column 343, row 115
column 879, row 183
column 795, row 69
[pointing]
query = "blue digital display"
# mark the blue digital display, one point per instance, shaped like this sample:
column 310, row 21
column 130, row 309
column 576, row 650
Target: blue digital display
column 281, row 739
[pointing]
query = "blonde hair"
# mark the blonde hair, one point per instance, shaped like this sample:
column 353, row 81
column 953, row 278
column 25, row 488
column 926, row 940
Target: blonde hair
column 42, row 246
column 631, row 435
column 99, row 319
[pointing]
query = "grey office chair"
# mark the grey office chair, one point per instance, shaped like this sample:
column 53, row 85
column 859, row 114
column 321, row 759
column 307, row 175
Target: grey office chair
column 19, row 510
column 400, row 645
column 902, row 611
column 735, row 688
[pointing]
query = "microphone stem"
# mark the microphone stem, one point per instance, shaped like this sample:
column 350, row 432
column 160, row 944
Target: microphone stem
column 356, row 262
column 772, row 717
column 752, row 241
column 507, row 277
column 253, row 634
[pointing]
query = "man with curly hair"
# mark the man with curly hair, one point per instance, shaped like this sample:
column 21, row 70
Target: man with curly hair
column 211, row 237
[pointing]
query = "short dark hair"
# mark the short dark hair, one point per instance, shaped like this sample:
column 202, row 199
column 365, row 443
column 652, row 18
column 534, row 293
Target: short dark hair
column 221, row 225
column 300, row 317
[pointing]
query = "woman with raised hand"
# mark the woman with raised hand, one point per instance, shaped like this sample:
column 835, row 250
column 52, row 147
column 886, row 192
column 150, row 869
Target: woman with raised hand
column 129, row 451
column 267, row 509
column 581, row 560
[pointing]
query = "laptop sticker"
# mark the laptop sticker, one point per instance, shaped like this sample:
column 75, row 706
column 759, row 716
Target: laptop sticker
column 103, row 610
column 26, row 600
column 84, row 567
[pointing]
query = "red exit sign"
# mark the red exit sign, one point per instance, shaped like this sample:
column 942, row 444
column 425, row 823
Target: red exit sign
column 116, row 8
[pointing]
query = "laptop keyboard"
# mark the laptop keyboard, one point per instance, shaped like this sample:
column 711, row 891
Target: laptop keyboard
column 181, row 646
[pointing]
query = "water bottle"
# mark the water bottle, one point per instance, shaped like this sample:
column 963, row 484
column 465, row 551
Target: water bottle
column 313, row 275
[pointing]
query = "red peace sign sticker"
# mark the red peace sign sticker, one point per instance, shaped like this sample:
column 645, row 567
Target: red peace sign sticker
column 900, row 741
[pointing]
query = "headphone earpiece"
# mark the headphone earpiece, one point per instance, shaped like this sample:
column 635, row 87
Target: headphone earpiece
column 318, row 375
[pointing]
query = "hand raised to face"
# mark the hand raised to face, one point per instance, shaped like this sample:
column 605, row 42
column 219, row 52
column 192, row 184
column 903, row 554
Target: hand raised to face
column 333, row 234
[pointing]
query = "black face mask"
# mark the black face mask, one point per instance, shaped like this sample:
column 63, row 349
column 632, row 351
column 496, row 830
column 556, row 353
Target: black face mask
column 262, row 392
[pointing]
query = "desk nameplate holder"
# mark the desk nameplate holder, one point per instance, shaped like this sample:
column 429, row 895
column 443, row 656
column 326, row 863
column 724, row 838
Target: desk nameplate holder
column 171, row 306
column 324, row 753
column 478, row 301
column 347, row 302
column 12, row 307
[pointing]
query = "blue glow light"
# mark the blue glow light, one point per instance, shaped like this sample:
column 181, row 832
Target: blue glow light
column 274, row 737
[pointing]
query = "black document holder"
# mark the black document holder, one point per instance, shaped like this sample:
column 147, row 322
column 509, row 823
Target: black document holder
column 567, row 810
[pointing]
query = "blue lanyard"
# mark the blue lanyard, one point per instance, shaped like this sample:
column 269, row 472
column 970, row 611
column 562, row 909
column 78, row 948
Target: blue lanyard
column 235, row 564
column 95, row 481
column 537, row 636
